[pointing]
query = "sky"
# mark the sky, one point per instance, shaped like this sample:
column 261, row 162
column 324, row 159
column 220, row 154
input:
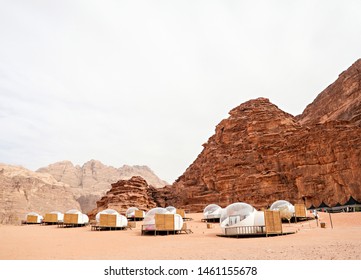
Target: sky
column 146, row 82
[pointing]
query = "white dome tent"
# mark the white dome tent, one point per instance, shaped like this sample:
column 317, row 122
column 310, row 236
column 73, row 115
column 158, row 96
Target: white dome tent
column 133, row 213
column 74, row 217
column 212, row 212
column 160, row 219
column 110, row 218
column 241, row 218
column 33, row 218
column 287, row 210
column 53, row 217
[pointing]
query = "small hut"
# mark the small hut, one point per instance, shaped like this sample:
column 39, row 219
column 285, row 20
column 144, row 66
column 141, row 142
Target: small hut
column 160, row 220
column 110, row 219
column 53, row 217
column 33, row 218
column 74, row 218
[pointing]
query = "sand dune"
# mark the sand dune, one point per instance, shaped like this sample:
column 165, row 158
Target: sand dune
column 37, row 242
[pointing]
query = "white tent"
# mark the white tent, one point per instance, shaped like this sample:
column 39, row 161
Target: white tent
column 149, row 219
column 130, row 213
column 74, row 216
column 111, row 218
column 33, row 218
column 240, row 214
column 212, row 211
column 171, row 209
column 54, row 217
column 287, row 210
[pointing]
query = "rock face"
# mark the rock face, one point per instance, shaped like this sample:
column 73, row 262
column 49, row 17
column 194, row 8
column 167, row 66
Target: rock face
column 23, row 191
column 261, row 154
column 90, row 181
column 123, row 194
column 340, row 101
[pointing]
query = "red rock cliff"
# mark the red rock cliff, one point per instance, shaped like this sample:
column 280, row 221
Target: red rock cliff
column 261, row 154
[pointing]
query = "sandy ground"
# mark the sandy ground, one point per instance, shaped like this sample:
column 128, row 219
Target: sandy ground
column 310, row 242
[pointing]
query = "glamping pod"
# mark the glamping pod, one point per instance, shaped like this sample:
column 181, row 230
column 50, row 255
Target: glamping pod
column 75, row 217
column 111, row 218
column 212, row 212
column 53, row 217
column 133, row 213
column 33, row 218
column 287, row 210
column 171, row 209
column 160, row 219
column 241, row 218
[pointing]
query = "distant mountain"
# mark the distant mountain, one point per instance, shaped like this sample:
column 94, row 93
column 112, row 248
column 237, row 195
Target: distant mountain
column 23, row 191
column 92, row 180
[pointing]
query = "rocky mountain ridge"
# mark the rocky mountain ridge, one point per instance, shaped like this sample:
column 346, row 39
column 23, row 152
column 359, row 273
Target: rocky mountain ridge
column 261, row 154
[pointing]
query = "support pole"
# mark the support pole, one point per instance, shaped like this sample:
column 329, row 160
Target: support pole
column 330, row 219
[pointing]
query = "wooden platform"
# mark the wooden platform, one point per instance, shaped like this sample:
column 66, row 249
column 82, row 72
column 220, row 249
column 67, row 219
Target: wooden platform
column 66, row 225
column 106, row 228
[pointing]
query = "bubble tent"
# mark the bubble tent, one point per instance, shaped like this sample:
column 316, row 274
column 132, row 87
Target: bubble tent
column 240, row 214
column 149, row 219
column 121, row 221
column 130, row 213
column 82, row 219
column 53, row 217
column 212, row 211
column 287, row 210
column 33, row 217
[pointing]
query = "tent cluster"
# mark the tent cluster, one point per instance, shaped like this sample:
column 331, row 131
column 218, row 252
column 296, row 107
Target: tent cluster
column 241, row 218
column 72, row 217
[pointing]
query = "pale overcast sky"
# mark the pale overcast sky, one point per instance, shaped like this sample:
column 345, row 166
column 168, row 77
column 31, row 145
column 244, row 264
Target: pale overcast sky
column 146, row 82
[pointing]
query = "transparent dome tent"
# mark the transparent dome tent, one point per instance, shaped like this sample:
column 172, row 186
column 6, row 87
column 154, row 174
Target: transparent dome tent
column 74, row 216
column 287, row 210
column 240, row 214
column 111, row 218
column 134, row 212
column 149, row 222
column 33, row 218
column 212, row 211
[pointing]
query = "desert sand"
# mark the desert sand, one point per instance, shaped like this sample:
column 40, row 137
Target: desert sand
column 37, row 242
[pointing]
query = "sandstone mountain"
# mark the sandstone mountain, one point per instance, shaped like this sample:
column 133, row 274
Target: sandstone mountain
column 23, row 191
column 91, row 181
column 261, row 154
column 339, row 101
column 127, row 193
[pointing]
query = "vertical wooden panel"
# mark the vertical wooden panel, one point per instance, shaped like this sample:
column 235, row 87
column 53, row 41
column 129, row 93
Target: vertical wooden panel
column 138, row 214
column 300, row 210
column 273, row 222
column 51, row 218
column 70, row 218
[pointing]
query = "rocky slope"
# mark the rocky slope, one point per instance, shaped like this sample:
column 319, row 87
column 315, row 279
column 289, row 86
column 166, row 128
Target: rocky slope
column 127, row 193
column 91, row 181
column 23, row 191
column 339, row 101
column 261, row 154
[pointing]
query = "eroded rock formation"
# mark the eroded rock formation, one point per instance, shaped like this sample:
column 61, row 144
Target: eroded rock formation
column 261, row 154
column 123, row 194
